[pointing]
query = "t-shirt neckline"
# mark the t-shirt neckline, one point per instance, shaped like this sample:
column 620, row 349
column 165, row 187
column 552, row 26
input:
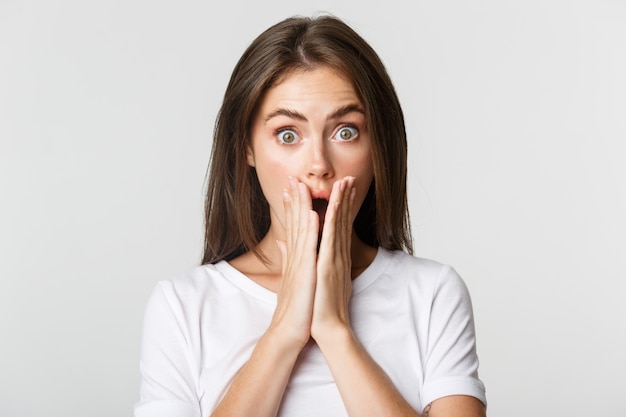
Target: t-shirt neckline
column 365, row 279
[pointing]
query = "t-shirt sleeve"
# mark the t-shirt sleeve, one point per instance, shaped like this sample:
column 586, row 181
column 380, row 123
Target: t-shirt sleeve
column 451, row 366
column 167, row 365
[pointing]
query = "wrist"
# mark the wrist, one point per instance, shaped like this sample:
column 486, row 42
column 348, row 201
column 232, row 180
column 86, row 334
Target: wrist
column 285, row 342
column 333, row 337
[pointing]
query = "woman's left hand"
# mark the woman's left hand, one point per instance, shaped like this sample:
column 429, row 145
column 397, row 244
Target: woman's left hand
column 334, row 263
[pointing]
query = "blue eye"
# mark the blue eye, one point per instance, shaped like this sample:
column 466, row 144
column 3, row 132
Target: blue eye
column 346, row 133
column 287, row 136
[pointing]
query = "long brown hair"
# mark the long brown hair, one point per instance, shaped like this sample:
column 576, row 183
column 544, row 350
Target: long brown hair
column 237, row 213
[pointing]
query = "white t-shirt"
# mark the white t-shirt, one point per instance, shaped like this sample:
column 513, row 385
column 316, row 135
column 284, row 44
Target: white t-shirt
column 414, row 317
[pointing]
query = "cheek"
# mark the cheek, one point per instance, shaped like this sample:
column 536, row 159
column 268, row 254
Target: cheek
column 272, row 176
column 363, row 169
column 276, row 171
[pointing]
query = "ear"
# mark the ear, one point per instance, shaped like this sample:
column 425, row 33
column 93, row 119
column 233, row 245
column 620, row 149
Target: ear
column 250, row 155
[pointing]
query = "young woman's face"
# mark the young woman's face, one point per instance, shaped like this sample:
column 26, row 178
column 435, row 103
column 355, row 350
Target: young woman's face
column 311, row 127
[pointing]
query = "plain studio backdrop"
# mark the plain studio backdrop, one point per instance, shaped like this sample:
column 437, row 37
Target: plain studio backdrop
column 516, row 118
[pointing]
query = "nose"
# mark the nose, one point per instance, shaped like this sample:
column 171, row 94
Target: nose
column 319, row 164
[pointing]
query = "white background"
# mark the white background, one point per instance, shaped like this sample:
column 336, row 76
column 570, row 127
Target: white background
column 516, row 117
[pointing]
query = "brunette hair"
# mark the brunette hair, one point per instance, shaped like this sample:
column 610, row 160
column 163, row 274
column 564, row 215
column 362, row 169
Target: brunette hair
column 237, row 214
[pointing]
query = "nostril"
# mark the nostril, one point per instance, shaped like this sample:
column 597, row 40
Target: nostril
column 319, row 164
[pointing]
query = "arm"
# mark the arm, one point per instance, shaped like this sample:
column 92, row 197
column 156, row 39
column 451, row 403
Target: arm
column 258, row 387
column 455, row 406
column 167, row 372
column 365, row 388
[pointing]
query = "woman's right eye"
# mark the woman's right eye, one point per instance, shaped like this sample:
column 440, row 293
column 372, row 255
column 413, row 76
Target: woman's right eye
column 287, row 136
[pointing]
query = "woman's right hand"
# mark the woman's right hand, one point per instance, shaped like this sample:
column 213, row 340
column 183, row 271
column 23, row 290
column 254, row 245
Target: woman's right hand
column 296, row 293
column 258, row 387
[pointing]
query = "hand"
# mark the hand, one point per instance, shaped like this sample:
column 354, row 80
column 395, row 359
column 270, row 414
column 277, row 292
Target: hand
column 334, row 263
column 293, row 315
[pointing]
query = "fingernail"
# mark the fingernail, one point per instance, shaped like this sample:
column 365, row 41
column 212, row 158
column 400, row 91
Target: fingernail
column 285, row 195
column 342, row 185
column 292, row 182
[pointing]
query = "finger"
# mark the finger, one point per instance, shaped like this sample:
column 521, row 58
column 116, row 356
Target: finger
column 341, row 209
column 341, row 200
column 294, row 195
column 304, row 222
column 313, row 234
column 282, row 248
column 330, row 222
column 346, row 209
column 349, row 222
column 344, row 236
column 310, row 223
column 287, row 208
column 305, row 206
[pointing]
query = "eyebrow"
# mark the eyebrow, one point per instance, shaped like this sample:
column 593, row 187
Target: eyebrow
column 292, row 114
column 340, row 112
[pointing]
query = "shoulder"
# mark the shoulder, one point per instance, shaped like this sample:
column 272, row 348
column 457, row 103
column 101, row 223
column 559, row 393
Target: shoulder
column 186, row 283
column 400, row 263
column 185, row 291
column 422, row 276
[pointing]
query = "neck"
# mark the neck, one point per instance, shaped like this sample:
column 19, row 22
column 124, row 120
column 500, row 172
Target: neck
column 361, row 253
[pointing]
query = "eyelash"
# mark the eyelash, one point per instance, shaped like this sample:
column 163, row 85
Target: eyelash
column 280, row 131
column 354, row 130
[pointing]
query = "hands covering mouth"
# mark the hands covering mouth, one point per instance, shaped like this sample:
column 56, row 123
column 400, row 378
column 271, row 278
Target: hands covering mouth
column 334, row 207
column 320, row 198
column 316, row 283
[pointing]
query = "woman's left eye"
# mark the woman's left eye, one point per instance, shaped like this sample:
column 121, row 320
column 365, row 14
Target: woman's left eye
column 346, row 133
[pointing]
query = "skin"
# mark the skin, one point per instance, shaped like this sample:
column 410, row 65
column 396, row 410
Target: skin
column 310, row 140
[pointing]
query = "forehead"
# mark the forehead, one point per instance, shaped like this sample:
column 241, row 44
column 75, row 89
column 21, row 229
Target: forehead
column 321, row 84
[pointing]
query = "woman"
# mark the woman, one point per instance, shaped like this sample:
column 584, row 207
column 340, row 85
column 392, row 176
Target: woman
column 309, row 302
